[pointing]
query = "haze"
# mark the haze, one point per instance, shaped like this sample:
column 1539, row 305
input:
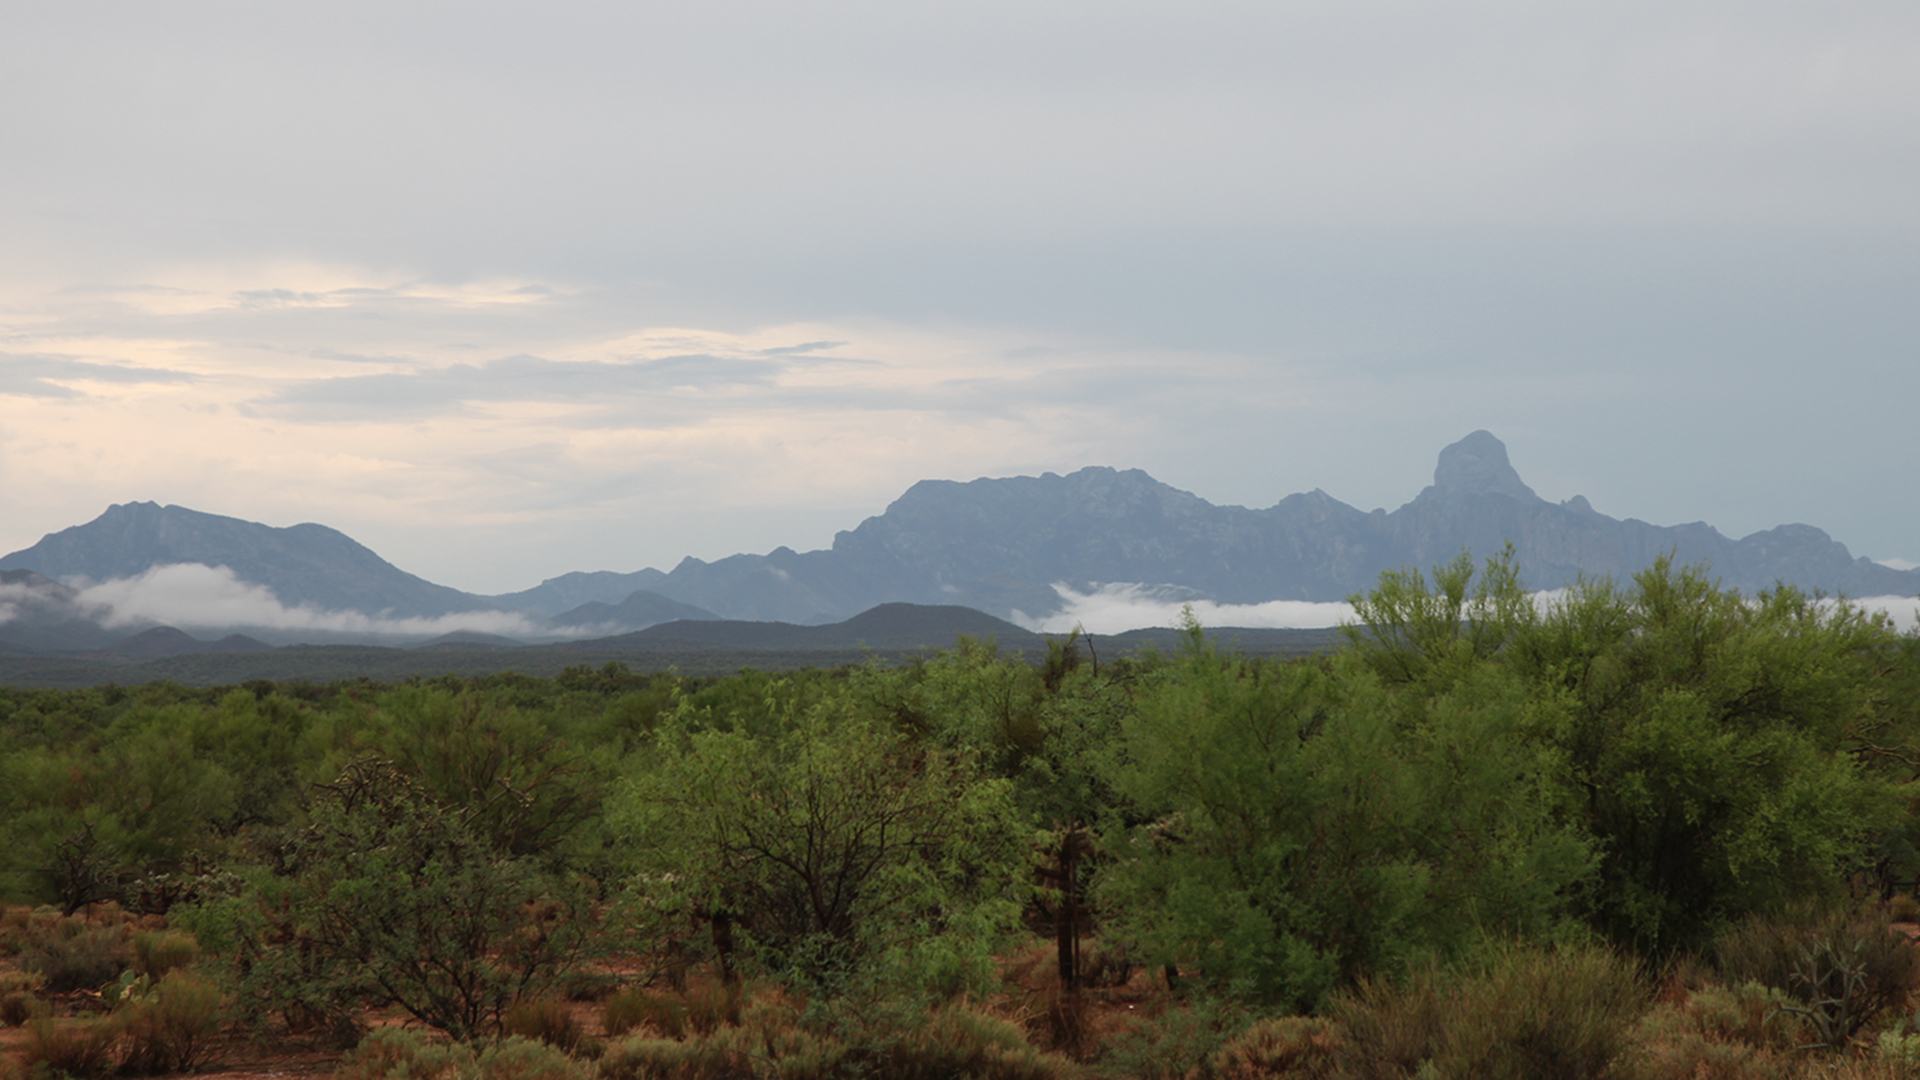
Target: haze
column 504, row 291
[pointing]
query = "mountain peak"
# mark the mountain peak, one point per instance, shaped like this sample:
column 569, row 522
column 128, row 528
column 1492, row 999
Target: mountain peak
column 1478, row 465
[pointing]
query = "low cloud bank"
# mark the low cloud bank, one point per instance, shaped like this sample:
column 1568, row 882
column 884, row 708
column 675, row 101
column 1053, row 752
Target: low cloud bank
column 195, row 596
column 1116, row 608
column 1904, row 610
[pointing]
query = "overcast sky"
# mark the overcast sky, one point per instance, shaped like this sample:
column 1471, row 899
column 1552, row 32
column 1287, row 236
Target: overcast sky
column 509, row 290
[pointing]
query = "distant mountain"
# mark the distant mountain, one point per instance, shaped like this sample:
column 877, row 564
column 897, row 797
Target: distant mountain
column 167, row 641
column 1000, row 545
column 568, row 591
column 636, row 612
column 308, row 565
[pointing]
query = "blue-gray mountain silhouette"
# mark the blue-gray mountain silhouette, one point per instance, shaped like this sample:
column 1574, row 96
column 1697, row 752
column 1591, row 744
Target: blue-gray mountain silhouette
column 1001, row 545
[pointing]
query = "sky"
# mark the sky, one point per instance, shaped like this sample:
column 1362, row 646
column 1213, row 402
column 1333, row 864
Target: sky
column 509, row 290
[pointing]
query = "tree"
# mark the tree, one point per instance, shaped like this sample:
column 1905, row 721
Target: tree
column 1724, row 755
column 1303, row 827
column 830, row 851
column 389, row 895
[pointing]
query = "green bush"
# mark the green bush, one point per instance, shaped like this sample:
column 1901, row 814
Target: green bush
column 1303, row 825
column 392, row 897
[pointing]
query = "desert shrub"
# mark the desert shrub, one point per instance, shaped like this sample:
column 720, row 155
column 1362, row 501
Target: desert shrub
column 398, row 1054
column 156, row 952
column 544, row 1019
column 81, row 1049
column 1841, row 969
column 713, row 1006
column 1302, row 1047
column 634, row 1008
column 515, row 1058
column 170, row 1027
column 1062, row 1022
column 1178, row 1043
column 646, row 1058
column 73, row 954
column 1716, row 1033
column 774, row 1041
column 1512, row 1013
column 19, row 996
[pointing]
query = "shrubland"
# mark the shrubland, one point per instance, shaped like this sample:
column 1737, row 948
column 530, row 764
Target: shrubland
column 1649, row 829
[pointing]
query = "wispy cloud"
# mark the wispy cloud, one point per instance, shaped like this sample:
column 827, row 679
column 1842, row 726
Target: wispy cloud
column 50, row 376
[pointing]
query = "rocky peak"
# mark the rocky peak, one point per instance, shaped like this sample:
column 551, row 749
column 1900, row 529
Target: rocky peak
column 1477, row 465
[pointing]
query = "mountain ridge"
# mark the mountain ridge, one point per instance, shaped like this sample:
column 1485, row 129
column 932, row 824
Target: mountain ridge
column 1002, row 546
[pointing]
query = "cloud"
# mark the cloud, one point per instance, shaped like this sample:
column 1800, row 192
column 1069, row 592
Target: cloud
column 193, row 595
column 1899, row 564
column 1903, row 610
column 520, row 379
column 1115, row 608
column 41, row 375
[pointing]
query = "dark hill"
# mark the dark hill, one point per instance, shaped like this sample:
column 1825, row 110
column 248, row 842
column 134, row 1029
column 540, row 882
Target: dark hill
column 887, row 628
column 636, row 612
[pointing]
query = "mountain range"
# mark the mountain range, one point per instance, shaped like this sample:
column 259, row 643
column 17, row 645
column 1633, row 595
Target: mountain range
column 1007, row 547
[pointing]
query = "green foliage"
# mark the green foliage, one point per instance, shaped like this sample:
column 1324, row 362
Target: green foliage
column 1302, row 829
column 1723, row 755
column 512, row 779
column 832, row 850
column 386, row 896
column 1044, row 728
